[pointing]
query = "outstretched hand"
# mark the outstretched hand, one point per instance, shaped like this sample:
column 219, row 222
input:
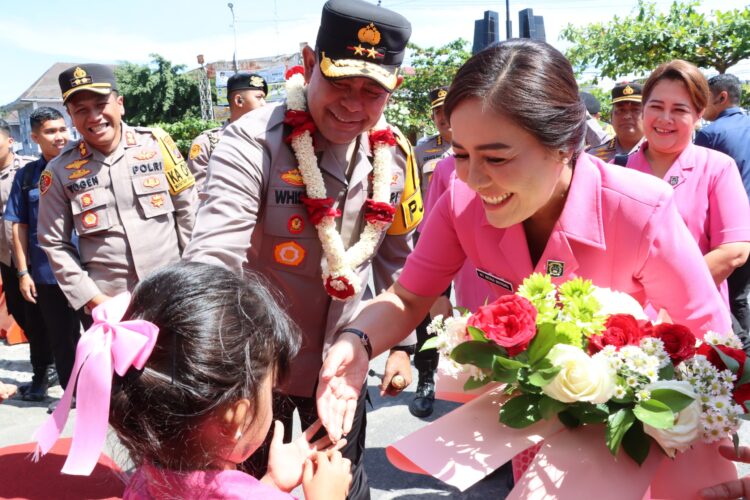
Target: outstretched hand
column 286, row 462
column 341, row 378
column 731, row 489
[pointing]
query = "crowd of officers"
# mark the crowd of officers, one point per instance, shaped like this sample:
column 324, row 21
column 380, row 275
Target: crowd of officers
column 92, row 217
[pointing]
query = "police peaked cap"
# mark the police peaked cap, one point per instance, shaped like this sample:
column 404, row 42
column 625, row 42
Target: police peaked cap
column 360, row 39
column 246, row 81
column 97, row 78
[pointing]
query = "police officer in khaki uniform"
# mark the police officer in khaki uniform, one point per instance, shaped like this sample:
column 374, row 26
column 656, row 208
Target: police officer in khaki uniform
column 435, row 147
column 252, row 215
column 9, row 164
column 429, row 153
column 125, row 190
column 245, row 92
column 627, row 121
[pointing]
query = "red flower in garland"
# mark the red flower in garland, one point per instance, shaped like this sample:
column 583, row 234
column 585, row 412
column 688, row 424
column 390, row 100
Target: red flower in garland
column 679, row 341
column 339, row 287
column 378, row 211
column 300, row 121
column 619, row 330
column 294, row 70
column 510, row 322
column 318, row 208
column 384, row 136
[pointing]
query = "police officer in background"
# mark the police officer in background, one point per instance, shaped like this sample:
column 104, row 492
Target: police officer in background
column 429, row 153
column 253, row 213
column 125, row 190
column 627, row 120
column 245, row 92
column 9, row 165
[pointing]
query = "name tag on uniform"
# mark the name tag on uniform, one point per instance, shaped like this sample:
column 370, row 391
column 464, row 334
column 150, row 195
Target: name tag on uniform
column 495, row 280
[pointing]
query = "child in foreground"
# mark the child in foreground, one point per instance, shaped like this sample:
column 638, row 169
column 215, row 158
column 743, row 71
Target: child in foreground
column 195, row 357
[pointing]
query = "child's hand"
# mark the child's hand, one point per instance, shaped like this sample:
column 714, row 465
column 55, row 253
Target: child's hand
column 329, row 478
column 286, row 461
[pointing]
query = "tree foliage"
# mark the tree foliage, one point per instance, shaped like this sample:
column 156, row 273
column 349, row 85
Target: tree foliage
column 409, row 106
column 157, row 92
column 184, row 131
column 639, row 43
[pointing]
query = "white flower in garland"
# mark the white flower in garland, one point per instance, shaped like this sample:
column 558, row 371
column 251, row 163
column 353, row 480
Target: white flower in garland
column 339, row 270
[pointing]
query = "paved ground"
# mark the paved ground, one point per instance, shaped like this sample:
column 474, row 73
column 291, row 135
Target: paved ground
column 388, row 420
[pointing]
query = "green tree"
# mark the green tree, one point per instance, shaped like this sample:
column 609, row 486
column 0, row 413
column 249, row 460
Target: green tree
column 409, row 107
column 184, row 131
column 639, row 43
column 157, row 92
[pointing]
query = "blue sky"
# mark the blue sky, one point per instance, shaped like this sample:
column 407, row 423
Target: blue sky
column 37, row 33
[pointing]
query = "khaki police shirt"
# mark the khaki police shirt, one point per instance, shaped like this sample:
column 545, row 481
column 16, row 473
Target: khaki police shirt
column 608, row 150
column 251, row 217
column 133, row 211
column 428, row 153
column 7, row 174
column 200, row 152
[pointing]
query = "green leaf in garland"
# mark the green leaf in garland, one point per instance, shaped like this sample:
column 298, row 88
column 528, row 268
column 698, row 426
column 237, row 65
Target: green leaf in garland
column 636, row 443
column 654, row 413
column 618, row 424
column 521, row 411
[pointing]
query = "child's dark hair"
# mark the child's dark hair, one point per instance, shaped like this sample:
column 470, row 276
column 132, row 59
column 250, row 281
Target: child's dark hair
column 220, row 335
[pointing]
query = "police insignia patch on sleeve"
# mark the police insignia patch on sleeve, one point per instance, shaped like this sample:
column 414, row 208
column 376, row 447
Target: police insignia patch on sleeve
column 195, row 150
column 178, row 175
column 45, row 181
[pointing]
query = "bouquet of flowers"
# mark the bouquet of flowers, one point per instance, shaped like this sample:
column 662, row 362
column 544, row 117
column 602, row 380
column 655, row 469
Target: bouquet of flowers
column 589, row 355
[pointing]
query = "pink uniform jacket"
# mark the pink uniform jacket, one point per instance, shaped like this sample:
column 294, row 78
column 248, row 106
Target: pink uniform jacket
column 619, row 228
column 471, row 291
column 709, row 195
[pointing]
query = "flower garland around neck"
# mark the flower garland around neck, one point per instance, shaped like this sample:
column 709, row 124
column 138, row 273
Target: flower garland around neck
column 339, row 276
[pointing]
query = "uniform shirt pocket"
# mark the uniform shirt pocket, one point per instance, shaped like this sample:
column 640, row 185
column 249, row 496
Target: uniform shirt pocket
column 290, row 241
column 152, row 192
column 90, row 213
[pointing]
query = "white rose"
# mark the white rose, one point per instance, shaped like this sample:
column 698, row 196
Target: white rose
column 613, row 302
column 686, row 428
column 582, row 378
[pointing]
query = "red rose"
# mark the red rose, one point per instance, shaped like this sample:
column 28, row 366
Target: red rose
column 294, row 70
column 382, row 137
column 679, row 341
column 714, row 358
column 376, row 211
column 620, row 330
column 339, row 287
column 742, row 394
column 510, row 322
column 318, row 208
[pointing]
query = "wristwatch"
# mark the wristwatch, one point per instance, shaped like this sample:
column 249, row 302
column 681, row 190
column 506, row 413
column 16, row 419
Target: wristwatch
column 21, row 274
column 363, row 338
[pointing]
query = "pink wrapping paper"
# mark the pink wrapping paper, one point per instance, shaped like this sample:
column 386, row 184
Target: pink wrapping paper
column 469, row 443
column 450, row 388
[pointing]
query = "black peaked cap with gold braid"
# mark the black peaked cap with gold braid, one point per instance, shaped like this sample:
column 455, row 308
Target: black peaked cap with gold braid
column 97, row 78
column 246, row 81
column 437, row 97
column 360, row 39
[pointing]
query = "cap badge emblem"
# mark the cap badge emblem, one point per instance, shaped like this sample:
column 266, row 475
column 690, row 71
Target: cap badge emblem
column 628, row 90
column 256, row 81
column 442, row 93
column 369, row 34
column 80, row 77
column 79, row 72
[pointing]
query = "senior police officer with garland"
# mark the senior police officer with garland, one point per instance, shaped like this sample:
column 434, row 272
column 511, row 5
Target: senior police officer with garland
column 125, row 190
column 260, row 210
column 245, row 92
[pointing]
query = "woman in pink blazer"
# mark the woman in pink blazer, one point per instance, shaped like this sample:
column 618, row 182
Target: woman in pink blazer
column 708, row 190
column 530, row 200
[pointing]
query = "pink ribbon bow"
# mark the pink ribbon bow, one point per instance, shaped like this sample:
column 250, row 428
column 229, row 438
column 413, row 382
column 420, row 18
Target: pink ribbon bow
column 109, row 346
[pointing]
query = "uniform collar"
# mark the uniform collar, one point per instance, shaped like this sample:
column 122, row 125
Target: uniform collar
column 682, row 167
column 584, row 202
column 734, row 110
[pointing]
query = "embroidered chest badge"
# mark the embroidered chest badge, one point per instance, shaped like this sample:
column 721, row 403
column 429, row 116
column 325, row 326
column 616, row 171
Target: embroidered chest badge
column 555, row 268
column 87, row 200
column 674, row 180
column 289, row 253
column 151, row 182
column 295, row 224
column 90, row 220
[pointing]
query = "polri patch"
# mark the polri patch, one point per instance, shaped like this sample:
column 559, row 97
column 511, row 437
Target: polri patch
column 555, row 268
column 495, row 280
column 45, row 181
column 295, row 224
column 195, row 150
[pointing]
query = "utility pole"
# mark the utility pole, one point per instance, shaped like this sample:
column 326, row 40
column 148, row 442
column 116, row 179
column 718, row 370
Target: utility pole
column 204, row 87
column 508, row 25
column 234, row 29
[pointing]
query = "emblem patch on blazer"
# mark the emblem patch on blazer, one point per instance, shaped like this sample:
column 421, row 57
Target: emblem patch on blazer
column 293, row 177
column 45, row 181
column 673, row 180
column 87, row 200
column 555, row 268
column 295, row 224
column 289, row 253
column 89, row 220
